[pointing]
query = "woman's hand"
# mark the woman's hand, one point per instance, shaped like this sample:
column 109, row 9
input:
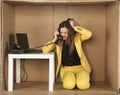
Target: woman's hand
column 72, row 23
column 55, row 36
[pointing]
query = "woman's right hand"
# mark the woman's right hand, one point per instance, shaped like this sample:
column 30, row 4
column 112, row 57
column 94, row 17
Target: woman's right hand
column 55, row 36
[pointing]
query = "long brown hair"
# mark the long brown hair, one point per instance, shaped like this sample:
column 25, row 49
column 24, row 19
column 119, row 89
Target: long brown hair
column 71, row 34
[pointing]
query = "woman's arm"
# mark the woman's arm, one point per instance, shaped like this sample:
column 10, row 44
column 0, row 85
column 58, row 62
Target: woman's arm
column 48, row 47
column 85, row 34
column 51, row 44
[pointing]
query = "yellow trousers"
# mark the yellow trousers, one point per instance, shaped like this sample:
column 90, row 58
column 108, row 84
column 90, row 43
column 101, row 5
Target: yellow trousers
column 72, row 76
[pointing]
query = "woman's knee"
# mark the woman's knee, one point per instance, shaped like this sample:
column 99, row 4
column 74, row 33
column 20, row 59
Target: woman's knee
column 83, row 85
column 69, row 81
column 69, row 84
column 83, row 80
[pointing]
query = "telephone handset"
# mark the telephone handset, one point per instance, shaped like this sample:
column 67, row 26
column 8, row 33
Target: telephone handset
column 60, row 38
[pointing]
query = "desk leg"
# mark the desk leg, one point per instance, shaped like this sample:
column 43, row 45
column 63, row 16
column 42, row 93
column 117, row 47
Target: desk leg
column 17, row 70
column 10, row 73
column 51, row 73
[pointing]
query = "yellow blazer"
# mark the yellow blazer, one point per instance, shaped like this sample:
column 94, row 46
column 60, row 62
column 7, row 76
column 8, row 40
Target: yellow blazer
column 81, row 35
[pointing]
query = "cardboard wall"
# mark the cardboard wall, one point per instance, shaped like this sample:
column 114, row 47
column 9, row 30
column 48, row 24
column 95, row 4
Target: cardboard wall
column 8, row 22
column 40, row 22
column 112, row 45
column 119, row 52
column 0, row 55
column 62, row 1
column 8, row 32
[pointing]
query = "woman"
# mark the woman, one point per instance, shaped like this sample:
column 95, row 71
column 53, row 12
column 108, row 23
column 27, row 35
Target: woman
column 75, row 69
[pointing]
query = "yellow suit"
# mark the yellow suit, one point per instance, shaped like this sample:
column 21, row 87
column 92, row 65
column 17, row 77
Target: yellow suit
column 81, row 35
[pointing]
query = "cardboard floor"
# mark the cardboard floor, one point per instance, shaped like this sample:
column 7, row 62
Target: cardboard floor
column 41, row 88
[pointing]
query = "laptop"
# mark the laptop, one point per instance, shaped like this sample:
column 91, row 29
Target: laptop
column 22, row 41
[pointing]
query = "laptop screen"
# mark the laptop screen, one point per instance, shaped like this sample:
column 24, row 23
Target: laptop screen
column 22, row 40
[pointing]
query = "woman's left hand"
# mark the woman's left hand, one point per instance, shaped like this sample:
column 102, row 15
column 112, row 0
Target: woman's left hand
column 72, row 23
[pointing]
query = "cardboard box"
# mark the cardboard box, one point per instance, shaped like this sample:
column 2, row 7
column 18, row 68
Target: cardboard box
column 40, row 18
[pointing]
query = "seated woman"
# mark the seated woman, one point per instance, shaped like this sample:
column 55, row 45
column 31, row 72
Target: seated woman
column 75, row 69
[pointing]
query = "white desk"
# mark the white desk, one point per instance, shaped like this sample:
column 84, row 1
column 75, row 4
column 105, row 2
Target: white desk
column 11, row 58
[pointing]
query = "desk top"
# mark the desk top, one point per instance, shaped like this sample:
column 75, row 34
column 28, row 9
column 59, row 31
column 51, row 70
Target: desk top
column 32, row 55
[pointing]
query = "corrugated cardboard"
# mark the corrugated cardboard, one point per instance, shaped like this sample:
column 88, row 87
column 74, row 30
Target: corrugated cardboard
column 40, row 21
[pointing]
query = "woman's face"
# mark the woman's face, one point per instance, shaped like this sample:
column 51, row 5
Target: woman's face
column 64, row 33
